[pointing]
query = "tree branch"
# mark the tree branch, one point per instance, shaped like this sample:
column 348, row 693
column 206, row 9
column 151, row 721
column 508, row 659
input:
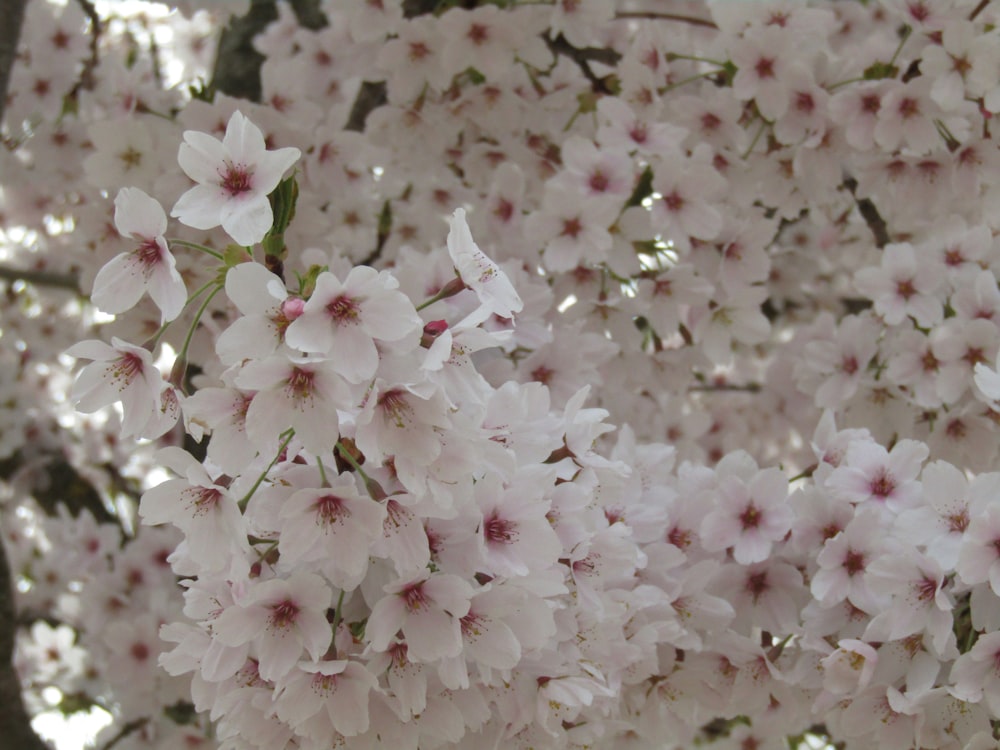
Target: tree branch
column 41, row 278
column 12, row 12
column 869, row 212
column 237, row 63
column 583, row 57
column 15, row 724
column 370, row 96
column 651, row 14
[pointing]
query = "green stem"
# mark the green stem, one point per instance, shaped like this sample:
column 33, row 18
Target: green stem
column 346, row 455
column 196, row 246
column 182, row 354
column 907, row 30
column 671, row 56
column 838, row 84
column 673, row 86
column 322, row 471
column 151, row 344
column 756, row 138
column 263, row 475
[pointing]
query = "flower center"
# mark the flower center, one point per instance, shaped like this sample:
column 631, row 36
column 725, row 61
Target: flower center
column 283, row 614
column 237, row 180
column 500, row 530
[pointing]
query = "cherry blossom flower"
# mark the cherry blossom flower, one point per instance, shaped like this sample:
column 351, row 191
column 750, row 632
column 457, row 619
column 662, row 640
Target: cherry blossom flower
column 149, row 268
column 333, row 527
column 206, row 512
column 282, row 617
column 873, row 475
column 300, row 394
column 345, row 318
column 428, row 609
column 234, row 178
column 119, row 372
column 750, row 517
column 324, row 694
column 496, row 294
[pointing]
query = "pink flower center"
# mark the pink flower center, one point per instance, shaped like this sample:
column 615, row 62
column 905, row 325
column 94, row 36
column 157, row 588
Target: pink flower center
column 499, row 530
column 765, row 67
column 925, row 588
column 674, row 202
column 750, row 517
column 414, row 598
column 344, row 310
column 127, row 367
column 284, row 614
column 237, row 180
column 205, row 500
column 139, row 651
column 757, row 585
column 148, row 254
column 331, row 509
column 599, row 181
column 300, row 382
column 882, row 484
column 854, row 562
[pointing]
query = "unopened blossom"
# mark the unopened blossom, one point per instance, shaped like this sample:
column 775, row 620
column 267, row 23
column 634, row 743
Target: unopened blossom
column 148, row 268
column 234, row 178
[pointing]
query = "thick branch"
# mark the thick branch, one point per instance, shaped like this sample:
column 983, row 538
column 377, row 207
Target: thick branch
column 15, row 725
column 370, row 96
column 12, row 13
column 237, row 63
column 41, row 278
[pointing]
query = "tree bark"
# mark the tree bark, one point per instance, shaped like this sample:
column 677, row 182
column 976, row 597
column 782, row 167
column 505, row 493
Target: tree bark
column 12, row 13
column 15, row 724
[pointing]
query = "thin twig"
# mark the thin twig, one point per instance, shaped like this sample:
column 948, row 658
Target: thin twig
column 41, row 278
column 132, row 726
column 978, row 9
column 652, row 14
column 583, row 56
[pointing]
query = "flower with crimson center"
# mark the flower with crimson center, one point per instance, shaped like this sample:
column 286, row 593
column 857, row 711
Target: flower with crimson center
column 234, row 178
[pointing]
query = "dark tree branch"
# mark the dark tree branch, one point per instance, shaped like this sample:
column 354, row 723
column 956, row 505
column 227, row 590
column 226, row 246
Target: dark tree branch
column 869, row 212
column 583, row 57
column 654, row 15
column 370, row 96
column 309, row 14
column 978, row 9
column 41, row 278
column 237, row 63
column 12, row 13
column 15, row 724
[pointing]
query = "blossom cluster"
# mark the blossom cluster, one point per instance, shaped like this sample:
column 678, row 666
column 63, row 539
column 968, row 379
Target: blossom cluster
column 701, row 449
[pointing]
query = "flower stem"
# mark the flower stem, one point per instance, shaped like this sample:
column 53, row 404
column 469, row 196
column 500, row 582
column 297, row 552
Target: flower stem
column 154, row 340
column 289, row 434
column 182, row 354
column 196, row 246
